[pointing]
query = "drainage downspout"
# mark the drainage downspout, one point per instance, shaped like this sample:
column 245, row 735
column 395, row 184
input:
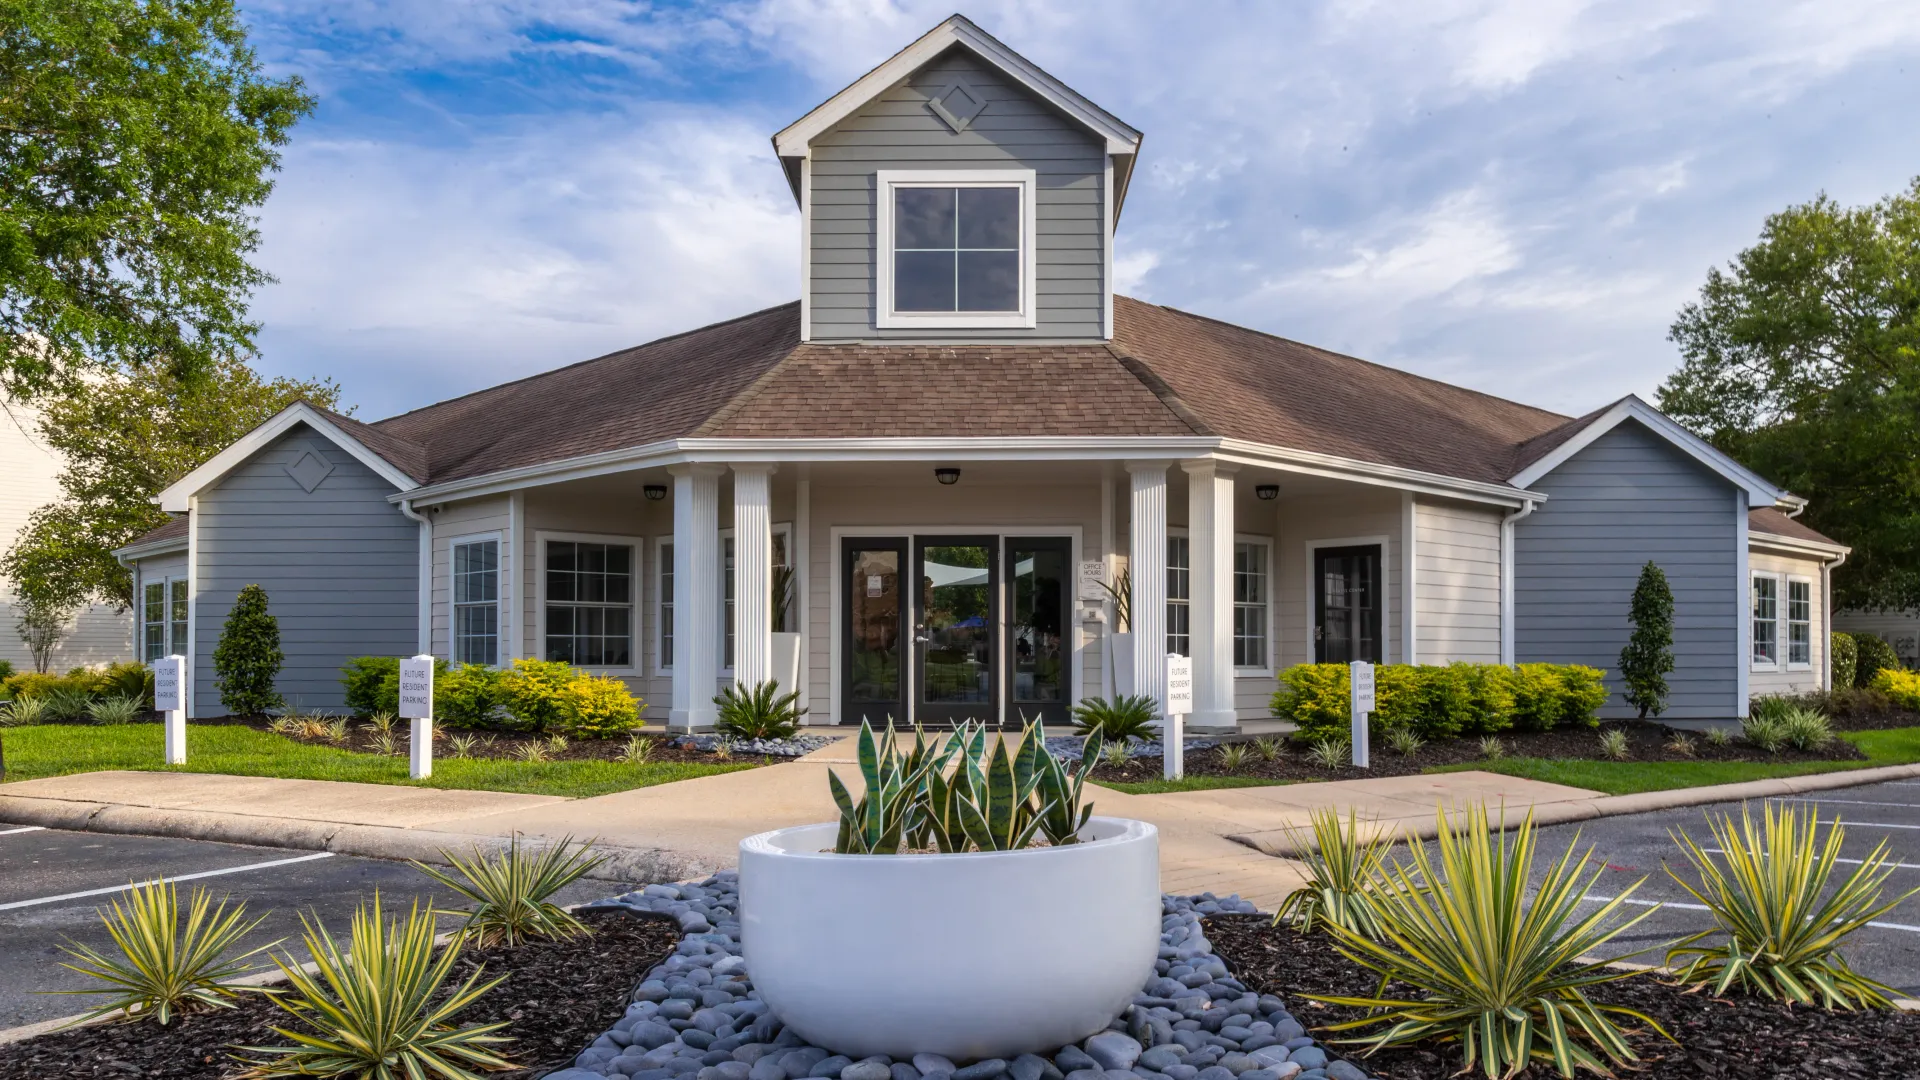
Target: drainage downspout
column 425, row 614
column 1826, row 604
column 1506, row 578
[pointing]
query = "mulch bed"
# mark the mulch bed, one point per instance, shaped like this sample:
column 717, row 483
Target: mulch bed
column 559, row 997
column 363, row 737
column 1880, row 719
column 1716, row 1038
column 1646, row 742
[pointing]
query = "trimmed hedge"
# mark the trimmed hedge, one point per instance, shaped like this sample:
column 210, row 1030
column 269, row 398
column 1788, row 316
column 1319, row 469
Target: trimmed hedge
column 1846, row 658
column 126, row 678
column 1901, row 687
column 544, row 696
column 1875, row 656
column 1444, row 701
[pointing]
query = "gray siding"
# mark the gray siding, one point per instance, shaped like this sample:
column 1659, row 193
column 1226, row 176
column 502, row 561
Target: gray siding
column 897, row 131
column 340, row 566
column 1628, row 498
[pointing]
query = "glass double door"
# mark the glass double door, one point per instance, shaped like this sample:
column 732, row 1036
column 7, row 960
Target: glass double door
column 974, row 629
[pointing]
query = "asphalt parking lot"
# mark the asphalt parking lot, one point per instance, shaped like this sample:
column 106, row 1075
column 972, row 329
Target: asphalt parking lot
column 1635, row 846
column 52, row 883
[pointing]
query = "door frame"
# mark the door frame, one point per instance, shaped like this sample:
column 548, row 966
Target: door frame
column 1389, row 641
column 842, row 655
column 1063, row 712
column 836, row 615
column 996, row 615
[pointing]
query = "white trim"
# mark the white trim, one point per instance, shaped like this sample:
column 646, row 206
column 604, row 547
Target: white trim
column 1759, row 492
column 513, row 616
column 1786, row 621
column 806, row 249
column 1509, row 523
column 800, row 550
column 777, row 528
column 662, row 564
column 1409, row 573
column 149, row 550
column 1242, row 452
column 423, row 615
column 1106, row 252
column 836, row 618
column 1386, row 594
column 193, row 605
column 794, row 140
column 174, row 498
column 635, row 604
column 1793, row 545
column 1743, row 608
column 886, row 180
column 453, row 604
column 1779, row 620
column 1270, row 572
column 168, row 646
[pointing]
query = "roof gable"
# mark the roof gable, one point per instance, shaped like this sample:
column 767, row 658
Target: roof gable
column 342, row 431
column 1544, row 455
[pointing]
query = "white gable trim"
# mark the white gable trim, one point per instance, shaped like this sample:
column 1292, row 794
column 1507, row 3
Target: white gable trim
column 1760, row 493
column 793, row 141
column 174, row 498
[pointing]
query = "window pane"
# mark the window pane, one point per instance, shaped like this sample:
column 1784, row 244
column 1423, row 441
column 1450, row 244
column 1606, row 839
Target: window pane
column 923, row 281
column 560, row 555
column 989, row 218
column 923, row 217
column 989, row 281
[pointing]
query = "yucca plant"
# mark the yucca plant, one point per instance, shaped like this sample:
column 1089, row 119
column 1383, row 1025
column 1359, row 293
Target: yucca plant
column 65, row 703
column 1680, row 744
column 557, row 744
column 1496, row 965
column 511, row 890
column 533, row 751
column 165, row 966
column 24, row 710
column 1232, row 757
column 759, row 712
column 382, row 721
column 1270, row 748
column 381, row 1010
column 1719, row 737
column 336, row 729
column 114, row 710
column 1780, row 937
column 722, row 748
column 1116, row 754
column 1764, row 731
column 284, row 725
column 1341, row 867
column 638, row 751
column 1129, row 716
column 1330, row 752
column 1805, row 729
column 1492, row 749
column 1405, row 741
column 462, row 746
column 384, row 744
column 1614, row 745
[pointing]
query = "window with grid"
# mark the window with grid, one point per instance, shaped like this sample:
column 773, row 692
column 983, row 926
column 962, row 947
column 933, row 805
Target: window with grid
column 666, row 607
column 726, row 600
column 476, row 602
column 1179, row 596
column 1766, row 620
column 1250, row 605
column 956, row 249
column 177, row 616
column 589, row 605
column 1800, row 623
column 153, row 620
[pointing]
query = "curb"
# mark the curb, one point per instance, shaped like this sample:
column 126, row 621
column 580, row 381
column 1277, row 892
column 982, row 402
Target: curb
column 1281, row 842
column 639, row 866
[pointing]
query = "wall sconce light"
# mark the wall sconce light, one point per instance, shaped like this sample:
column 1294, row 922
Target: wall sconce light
column 655, row 492
column 1267, row 492
column 948, row 477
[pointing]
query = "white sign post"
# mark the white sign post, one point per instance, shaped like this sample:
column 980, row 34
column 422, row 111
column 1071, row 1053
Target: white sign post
column 416, row 704
column 1360, row 678
column 1173, row 740
column 170, row 700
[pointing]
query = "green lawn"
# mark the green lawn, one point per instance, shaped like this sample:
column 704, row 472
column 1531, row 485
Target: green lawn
column 1899, row 746
column 59, row 749
column 1188, row 783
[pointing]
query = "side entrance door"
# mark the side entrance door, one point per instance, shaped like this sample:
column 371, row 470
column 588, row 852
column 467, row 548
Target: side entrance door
column 956, row 619
column 873, row 651
column 1039, row 574
column 1347, row 597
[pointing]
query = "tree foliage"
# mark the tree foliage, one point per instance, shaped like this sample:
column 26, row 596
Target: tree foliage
column 248, row 658
column 1648, row 657
column 1802, row 360
column 124, row 437
column 136, row 140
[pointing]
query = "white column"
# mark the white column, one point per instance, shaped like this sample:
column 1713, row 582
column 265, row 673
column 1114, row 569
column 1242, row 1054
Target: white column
column 1147, row 554
column 752, row 575
column 1210, row 555
column 696, row 593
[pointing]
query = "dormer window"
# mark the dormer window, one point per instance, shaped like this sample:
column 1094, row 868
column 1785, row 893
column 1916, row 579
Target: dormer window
column 955, row 249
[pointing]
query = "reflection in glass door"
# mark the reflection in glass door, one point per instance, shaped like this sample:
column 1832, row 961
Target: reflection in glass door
column 957, row 610
column 1037, row 648
column 1346, row 604
column 874, row 676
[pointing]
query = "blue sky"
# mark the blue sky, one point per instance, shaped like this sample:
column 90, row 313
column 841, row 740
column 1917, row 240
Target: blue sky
column 1515, row 196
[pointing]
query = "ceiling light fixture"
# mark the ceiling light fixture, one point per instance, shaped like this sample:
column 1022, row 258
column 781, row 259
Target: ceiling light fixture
column 1267, row 492
column 948, row 477
column 655, row 492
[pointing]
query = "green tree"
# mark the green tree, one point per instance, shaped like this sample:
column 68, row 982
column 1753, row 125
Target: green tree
column 1802, row 360
column 248, row 658
column 136, row 141
column 1648, row 657
column 124, row 437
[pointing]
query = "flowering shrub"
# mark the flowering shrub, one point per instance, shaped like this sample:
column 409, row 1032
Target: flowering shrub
column 1443, row 701
column 597, row 706
column 1902, row 687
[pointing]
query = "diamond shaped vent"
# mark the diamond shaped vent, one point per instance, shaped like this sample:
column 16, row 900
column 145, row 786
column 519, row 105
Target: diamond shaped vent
column 957, row 106
column 309, row 469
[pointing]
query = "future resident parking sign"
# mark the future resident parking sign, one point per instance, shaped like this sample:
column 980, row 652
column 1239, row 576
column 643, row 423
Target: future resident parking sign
column 416, row 687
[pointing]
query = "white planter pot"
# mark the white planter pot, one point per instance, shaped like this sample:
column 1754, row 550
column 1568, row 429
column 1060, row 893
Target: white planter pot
column 786, row 661
column 1122, row 664
column 987, row 954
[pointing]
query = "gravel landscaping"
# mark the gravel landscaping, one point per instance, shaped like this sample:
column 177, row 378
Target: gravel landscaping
column 1716, row 1038
column 698, row 1017
column 1067, row 747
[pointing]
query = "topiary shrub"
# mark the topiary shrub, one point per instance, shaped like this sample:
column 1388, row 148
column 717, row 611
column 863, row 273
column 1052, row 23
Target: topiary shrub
column 1900, row 687
column 364, row 677
column 597, row 706
column 1442, row 701
column 467, row 696
column 1314, row 696
column 534, row 693
column 1875, row 656
column 247, row 660
column 43, row 685
column 1648, row 657
column 1846, row 659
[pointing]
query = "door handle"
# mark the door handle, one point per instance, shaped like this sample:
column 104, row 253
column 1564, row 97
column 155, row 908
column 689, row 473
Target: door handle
column 920, row 634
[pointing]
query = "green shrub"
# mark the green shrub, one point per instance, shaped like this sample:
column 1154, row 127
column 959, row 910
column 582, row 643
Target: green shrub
column 1875, row 656
column 1846, row 658
column 6, row 670
column 512, row 890
column 364, row 677
column 68, row 703
column 1129, row 716
column 128, row 679
column 758, row 712
column 247, row 660
column 41, row 685
column 1550, row 695
column 467, row 696
column 1443, row 702
column 1902, row 688
column 1648, row 657
column 165, row 964
column 533, row 692
column 597, row 707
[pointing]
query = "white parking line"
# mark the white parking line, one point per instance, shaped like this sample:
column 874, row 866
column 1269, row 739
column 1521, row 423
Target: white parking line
column 1702, row 907
column 1855, row 862
column 1844, row 802
column 24, row 828
column 181, row 877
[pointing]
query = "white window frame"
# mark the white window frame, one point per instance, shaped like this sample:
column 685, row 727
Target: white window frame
column 634, row 605
column 1177, row 532
column 783, row 529
column 1787, row 621
column 886, row 180
column 1754, row 621
column 170, row 644
column 662, row 566
column 499, row 601
column 1267, row 572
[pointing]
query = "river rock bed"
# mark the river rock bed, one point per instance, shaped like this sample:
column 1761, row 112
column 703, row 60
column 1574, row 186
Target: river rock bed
column 697, row 1016
column 798, row 746
column 1067, row 747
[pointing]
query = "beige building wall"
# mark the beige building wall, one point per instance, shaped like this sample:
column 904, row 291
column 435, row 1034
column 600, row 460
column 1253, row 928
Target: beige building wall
column 1456, row 582
column 1788, row 678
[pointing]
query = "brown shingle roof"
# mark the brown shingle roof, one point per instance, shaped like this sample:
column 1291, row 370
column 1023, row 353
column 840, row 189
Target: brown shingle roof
column 175, row 529
column 1779, row 524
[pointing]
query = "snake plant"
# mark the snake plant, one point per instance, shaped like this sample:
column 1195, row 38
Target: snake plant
column 890, row 806
column 1000, row 816
column 1064, row 816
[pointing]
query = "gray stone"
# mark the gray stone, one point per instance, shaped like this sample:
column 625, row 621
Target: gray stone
column 1158, row 1058
column 1342, row 1070
column 1072, row 1059
column 574, row 1074
column 932, row 1063
column 1215, row 1072
column 981, row 1070
column 1308, row 1057
column 697, row 1038
column 1238, row 1063
column 829, row 1068
column 1112, row 1050
column 870, row 1069
column 1182, row 1072
column 1268, row 1056
column 767, row 1068
column 1087, row 1074
column 751, row 1052
column 1260, row 1074
column 652, row 1033
column 732, row 1070
column 904, row 1071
